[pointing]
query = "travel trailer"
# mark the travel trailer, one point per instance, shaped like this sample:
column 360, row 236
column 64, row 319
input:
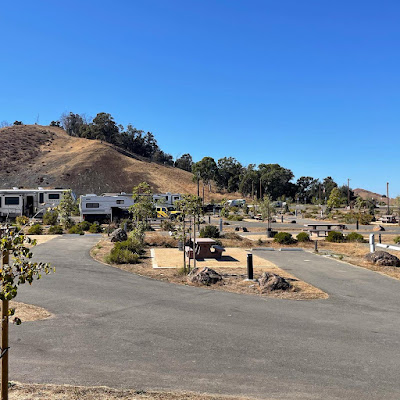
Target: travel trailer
column 29, row 202
column 111, row 206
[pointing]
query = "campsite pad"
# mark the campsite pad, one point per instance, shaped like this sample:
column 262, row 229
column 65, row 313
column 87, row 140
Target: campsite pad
column 232, row 258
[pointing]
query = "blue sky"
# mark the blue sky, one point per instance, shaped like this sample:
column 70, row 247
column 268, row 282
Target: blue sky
column 311, row 85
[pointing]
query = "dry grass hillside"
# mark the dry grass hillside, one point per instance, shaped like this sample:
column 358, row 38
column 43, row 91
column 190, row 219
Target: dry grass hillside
column 34, row 155
column 366, row 194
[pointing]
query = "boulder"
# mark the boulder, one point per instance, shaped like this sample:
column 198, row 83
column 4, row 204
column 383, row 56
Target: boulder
column 245, row 229
column 119, row 235
column 205, row 276
column 379, row 228
column 269, row 282
column 383, row 258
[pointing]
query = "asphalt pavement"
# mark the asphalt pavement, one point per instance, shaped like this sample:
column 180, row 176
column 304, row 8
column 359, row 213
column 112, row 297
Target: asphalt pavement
column 114, row 328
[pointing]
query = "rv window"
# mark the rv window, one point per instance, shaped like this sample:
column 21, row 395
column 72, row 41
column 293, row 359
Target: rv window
column 54, row 196
column 120, row 201
column 92, row 205
column 11, row 200
column 41, row 199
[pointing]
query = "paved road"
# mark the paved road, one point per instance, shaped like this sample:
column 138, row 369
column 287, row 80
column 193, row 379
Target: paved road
column 114, row 328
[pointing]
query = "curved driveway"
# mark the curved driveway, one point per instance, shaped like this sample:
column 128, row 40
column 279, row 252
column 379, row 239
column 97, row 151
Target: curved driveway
column 117, row 329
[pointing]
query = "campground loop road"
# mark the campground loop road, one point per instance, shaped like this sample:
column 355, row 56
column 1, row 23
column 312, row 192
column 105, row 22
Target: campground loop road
column 121, row 330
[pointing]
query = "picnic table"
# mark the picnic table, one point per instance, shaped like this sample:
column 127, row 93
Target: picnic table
column 204, row 248
column 322, row 229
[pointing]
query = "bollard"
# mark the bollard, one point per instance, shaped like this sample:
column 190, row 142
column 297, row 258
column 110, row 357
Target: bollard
column 357, row 225
column 250, row 267
column 372, row 243
column 220, row 224
column 282, row 218
column 316, row 246
column 209, row 219
column 380, row 238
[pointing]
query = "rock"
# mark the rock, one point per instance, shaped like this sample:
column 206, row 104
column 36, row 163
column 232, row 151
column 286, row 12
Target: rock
column 119, row 235
column 245, row 229
column 269, row 282
column 383, row 258
column 379, row 228
column 237, row 229
column 206, row 276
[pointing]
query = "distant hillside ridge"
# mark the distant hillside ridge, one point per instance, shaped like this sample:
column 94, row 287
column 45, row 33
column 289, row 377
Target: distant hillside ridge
column 366, row 194
column 34, row 155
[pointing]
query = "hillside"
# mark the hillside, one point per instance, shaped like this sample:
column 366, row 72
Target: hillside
column 366, row 194
column 34, row 155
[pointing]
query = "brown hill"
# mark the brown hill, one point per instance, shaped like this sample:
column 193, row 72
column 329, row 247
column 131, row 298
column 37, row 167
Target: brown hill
column 34, row 155
column 366, row 194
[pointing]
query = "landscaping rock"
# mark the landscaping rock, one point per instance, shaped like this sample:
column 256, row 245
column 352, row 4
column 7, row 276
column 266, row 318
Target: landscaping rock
column 383, row 258
column 119, row 235
column 206, row 276
column 270, row 282
column 379, row 228
column 245, row 229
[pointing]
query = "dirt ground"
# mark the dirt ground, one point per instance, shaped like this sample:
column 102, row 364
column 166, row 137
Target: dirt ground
column 234, row 277
column 28, row 312
column 19, row 391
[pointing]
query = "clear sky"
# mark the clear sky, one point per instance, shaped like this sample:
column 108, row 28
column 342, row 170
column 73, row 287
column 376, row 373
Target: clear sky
column 312, row 85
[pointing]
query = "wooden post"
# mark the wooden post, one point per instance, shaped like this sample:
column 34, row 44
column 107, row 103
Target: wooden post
column 4, row 339
column 184, row 245
column 194, row 241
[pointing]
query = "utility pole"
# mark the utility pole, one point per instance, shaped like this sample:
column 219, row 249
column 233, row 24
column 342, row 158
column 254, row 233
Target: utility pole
column 348, row 192
column 261, row 196
column 4, row 338
column 388, row 200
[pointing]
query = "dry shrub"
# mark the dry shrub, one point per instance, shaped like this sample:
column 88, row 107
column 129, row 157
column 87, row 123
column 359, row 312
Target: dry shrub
column 160, row 241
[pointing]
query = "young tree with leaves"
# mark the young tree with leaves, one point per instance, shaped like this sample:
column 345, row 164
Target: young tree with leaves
column 65, row 209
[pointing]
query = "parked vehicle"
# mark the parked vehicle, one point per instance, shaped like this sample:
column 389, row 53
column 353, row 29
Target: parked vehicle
column 29, row 202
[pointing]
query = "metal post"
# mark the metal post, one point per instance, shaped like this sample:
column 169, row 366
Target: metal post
column 4, row 339
column 220, row 224
column 194, row 240
column 357, row 223
column 316, row 246
column 372, row 243
column 184, row 245
column 282, row 218
column 387, row 194
column 379, row 238
column 250, row 266
column 209, row 219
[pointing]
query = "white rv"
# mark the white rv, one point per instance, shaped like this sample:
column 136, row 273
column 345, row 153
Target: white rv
column 111, row 206
column 29, row 202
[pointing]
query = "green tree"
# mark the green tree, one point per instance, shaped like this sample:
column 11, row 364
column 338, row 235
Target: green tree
column 229, row 174
column 307, row 189
column 73, row 123
column 185, row 162
column 206, row 170
column 328, row 185
column 335, row 198
column 275, row 180
column 65, row 209
column 104, row 128
column 267, row 209
column 249, row 182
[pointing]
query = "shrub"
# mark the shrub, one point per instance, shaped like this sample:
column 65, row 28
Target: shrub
column 122, row 256
column 284, row 238
column 235, row 217
column 84, row 225
column 167, row 226
column 232, row 236
column 76, row 229
column 134, row 246
column 126, row 225
column 335, row 237
column 209, row 231
column 355, row 237
column 56, row 230
column 35, row 230
column 397, row 239
column 95, row 228
column 50, row 218
column 303, row 237
column 21, row 220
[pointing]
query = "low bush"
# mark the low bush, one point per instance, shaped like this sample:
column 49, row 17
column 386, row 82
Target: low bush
column 335, row 237
column 132, row 245
column 397, row 239
column 355, row 237
column 126, row 225
column 50, row 218
column 160, row 241
column 122, row 256
column 95, row 228
column 209, row 231
column 167, row 226
column 303, row 237
column 284, row 238
column 56, row 230
column 21, row 220
column 235, row 217
column 84, row 225
column 76, row 229
column 232, row 236
column 35, row 230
